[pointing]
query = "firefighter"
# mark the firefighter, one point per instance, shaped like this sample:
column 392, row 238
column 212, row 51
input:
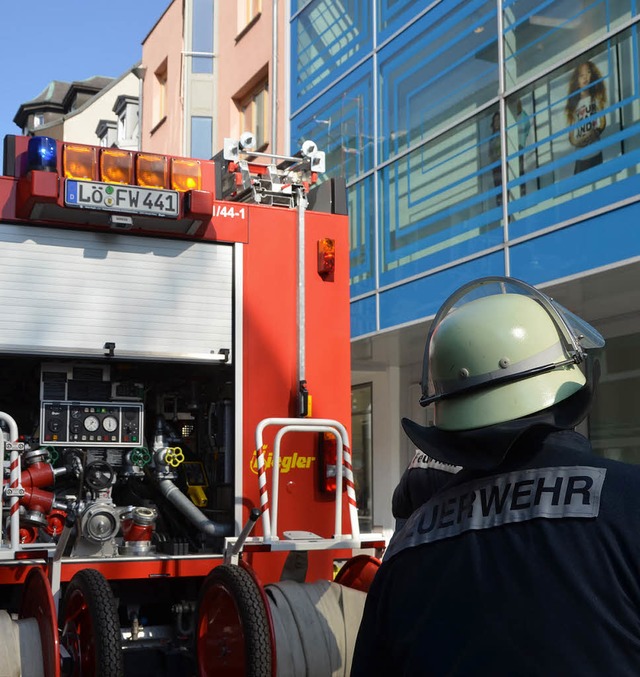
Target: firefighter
column 423, row 477
column 528, row 562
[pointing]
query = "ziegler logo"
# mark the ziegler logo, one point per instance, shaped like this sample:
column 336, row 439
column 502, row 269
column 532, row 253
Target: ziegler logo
column 287, row 463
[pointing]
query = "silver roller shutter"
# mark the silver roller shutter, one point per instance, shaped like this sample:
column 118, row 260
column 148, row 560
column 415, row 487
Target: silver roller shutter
column 71, row 292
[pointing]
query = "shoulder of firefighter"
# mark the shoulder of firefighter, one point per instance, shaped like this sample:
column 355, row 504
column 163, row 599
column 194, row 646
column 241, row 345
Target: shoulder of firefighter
column 423, row 477
column 560, row 525
column 482, row 501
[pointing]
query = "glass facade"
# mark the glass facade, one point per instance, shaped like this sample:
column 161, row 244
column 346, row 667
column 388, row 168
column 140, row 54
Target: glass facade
column 361, row 451
column 477, row 137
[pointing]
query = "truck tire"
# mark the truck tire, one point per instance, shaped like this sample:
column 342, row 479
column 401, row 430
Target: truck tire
column 234, row 635
column 90, row 627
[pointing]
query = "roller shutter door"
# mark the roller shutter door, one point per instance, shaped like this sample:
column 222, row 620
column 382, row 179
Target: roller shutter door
column 71, row 292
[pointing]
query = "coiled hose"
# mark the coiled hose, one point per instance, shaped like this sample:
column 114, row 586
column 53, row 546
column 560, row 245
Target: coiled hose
column 315, row 627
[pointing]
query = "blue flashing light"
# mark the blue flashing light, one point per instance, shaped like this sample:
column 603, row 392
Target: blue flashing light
column 42, row 154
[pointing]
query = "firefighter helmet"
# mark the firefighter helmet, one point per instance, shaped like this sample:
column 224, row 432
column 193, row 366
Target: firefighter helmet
column 499, row 350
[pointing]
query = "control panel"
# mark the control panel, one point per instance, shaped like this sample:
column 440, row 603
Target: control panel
column 109, row 424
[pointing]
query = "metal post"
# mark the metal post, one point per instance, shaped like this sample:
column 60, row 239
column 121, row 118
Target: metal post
column 274, row 78
column 302, row 203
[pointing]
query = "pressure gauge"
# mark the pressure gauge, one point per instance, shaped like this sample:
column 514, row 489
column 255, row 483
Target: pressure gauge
column 91, row 423
column 54, row 425
column 110, row 423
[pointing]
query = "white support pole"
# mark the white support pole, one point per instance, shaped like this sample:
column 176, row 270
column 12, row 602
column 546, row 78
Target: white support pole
column 14, row 481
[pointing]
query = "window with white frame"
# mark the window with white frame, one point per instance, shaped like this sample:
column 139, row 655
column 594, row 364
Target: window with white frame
column 126, row 108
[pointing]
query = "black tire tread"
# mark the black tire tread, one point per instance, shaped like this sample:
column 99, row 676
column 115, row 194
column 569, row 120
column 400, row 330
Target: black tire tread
column 104, row 618
column 253, row 615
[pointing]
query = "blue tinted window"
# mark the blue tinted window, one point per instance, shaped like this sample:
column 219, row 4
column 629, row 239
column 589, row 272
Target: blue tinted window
column 201, row 137
column 392, row 14
column 582, row 151
column 297, row 5
column 538, row 34
column 202, row 36
column 440, row 202
column 362, row 261
column 341, row 124
column 442, row 68
column 327, row 38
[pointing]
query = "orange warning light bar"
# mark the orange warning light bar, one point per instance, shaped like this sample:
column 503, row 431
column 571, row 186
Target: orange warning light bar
column 152, row 170
column 79, row 162
column 185, row 174
column 116, row 166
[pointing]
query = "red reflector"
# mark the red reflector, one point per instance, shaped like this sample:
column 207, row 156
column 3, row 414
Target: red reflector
column 328, row 461
column 326, row 258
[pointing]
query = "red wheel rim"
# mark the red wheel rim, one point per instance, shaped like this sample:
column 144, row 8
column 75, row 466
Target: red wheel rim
column 37, row 602
column 222, row 651
column 77, row 634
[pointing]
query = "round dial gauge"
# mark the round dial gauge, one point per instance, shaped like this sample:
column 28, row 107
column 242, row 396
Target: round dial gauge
column 110, row 423
column 54, row 425
column 91, row 423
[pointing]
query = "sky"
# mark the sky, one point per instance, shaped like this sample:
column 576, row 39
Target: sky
column 45, row 40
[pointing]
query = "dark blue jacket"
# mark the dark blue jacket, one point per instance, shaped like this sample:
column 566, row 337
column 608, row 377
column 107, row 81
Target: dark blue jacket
column 530, row 569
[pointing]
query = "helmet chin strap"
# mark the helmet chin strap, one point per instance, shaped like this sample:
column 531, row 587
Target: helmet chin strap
column 486, row 448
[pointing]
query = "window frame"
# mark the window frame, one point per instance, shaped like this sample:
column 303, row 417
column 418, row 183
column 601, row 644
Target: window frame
column 160, row 93
column 248, row 113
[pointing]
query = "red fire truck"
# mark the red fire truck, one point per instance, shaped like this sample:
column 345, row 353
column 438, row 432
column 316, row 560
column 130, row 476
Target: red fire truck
column 178, row 488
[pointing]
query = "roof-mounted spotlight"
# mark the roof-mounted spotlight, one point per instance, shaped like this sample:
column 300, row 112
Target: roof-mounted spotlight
column 247, row 141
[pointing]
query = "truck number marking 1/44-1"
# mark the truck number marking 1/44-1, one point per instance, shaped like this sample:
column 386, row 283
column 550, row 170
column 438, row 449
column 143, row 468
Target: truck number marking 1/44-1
column 228, row 212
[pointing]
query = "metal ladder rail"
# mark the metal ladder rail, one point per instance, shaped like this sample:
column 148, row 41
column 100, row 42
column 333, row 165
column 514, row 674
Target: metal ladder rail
column 343, row 462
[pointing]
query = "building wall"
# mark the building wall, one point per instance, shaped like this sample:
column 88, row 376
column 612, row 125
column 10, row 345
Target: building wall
column 163, row 114
column 450, row 122
column 80, row 126
column 244, row 59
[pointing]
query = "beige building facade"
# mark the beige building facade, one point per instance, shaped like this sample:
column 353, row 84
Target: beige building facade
column 210, row 71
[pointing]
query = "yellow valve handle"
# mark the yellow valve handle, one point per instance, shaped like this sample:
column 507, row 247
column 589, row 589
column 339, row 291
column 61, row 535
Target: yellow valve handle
column 174, row 457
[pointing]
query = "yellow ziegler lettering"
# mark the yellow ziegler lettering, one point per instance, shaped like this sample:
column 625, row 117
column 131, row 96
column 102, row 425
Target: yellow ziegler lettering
column 287, row 463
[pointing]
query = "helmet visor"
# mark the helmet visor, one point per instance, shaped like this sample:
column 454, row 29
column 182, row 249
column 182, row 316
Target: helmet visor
column 576, row 335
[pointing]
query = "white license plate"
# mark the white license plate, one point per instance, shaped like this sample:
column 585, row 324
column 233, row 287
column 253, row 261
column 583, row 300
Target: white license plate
column 117, row 198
